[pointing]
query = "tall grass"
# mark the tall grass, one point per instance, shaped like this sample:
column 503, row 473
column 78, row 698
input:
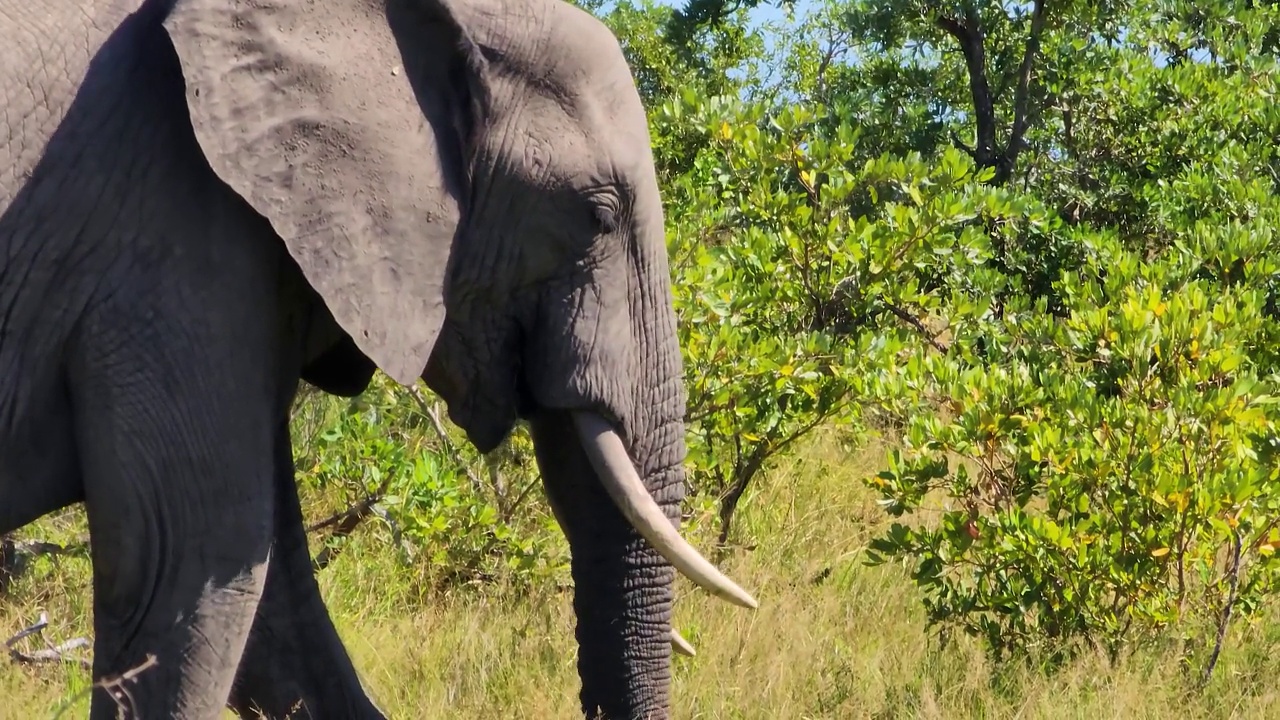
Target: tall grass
column 832, row 638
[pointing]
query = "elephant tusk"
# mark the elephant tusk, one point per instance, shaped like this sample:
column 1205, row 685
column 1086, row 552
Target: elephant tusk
column 680, row 645
column 623, row 484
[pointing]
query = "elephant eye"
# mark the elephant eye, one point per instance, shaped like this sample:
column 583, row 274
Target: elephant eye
column 606, row 218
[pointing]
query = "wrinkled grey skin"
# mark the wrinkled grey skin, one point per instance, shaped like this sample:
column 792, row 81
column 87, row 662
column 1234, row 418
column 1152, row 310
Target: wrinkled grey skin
column 203, row 201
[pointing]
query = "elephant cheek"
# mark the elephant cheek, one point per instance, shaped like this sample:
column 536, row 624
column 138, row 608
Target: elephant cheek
column 481, row 399
column 582, row 354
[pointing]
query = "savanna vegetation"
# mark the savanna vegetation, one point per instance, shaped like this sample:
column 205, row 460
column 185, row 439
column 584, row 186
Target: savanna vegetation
column 980, row 307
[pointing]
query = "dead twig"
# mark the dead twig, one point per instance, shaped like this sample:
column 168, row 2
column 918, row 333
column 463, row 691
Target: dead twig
column 51, row 653
column 115, row 685
column 345, row 523
column 445, row 440
column 56, row 653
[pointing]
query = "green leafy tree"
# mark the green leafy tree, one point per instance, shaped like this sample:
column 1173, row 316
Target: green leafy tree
column 789, row 301
column 1104, row 446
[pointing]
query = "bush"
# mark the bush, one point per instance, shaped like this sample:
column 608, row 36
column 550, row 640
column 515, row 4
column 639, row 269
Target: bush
column 1102, row 475
column 800, row 272
column 455, row 517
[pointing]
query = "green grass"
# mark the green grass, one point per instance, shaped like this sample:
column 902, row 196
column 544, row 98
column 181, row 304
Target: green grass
column 851, row 646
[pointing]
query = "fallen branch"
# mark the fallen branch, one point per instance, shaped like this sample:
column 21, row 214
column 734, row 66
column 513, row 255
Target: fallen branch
column 57, row 653
column 345, row 523
column 52, row 653
column 40, row 625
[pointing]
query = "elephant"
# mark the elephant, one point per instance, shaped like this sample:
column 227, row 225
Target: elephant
column 204, row 203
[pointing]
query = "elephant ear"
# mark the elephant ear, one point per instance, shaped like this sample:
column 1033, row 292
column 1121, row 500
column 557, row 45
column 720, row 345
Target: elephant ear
column 345, row 124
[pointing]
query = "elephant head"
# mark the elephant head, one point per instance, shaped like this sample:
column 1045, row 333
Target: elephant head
column 469, row 188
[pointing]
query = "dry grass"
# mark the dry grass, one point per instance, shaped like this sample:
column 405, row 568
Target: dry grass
column 850, row 646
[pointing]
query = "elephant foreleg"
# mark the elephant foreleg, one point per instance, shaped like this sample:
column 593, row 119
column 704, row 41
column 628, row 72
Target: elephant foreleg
column 295, row 665
column 178, row 493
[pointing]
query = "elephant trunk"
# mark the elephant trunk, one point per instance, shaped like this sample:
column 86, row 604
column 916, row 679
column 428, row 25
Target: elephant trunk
column 619, row 506
column 623, row 584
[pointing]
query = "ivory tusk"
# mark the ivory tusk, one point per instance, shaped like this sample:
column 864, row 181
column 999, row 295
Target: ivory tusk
column 621, row 481
column 680, row 645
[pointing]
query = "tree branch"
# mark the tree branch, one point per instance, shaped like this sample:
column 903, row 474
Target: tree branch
column 955, row 140
column 837, row 45
column 1225, row 619
column 916, row 325
column 968, row 34
column 741, row 478
column 445, row 439
column 346, row 521
column 1022, row 94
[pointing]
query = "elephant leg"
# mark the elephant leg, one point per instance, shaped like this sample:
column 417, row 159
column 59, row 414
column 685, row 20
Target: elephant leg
column 178, row 494
column 295, row 665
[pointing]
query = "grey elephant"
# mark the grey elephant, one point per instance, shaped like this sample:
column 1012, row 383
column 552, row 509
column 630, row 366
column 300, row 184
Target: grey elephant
column 204, row 201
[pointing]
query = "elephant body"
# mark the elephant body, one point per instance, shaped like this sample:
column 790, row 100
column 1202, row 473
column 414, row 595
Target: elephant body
column 98, row 232
column 204, row 202
column 39, row 472
column 153, row 340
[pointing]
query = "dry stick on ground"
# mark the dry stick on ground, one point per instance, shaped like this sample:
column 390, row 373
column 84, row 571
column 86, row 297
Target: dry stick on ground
column 52, row 653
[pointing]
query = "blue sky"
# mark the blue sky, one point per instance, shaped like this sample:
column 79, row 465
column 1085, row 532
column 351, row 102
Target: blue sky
column 765, row 11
